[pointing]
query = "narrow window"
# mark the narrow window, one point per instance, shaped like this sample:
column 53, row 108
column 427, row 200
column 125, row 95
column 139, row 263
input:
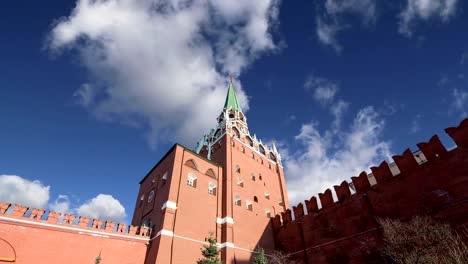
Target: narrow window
column 272, row 157
column 267, row 213
column 255, row 199
column 236, row 132
column 249, row 140
column 240, row 182
column 267, row 195
column 237, row 200
column 164, row 178
column 212, row 188
column 259, row 176
column 150, row 196
column 280, row 202
column 238, row 170
column 261, row 149
column 252, row 176
column 192, row 180
column 249, row 205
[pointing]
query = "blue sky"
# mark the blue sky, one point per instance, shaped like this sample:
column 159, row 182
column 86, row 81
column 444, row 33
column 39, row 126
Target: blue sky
column 93, row 93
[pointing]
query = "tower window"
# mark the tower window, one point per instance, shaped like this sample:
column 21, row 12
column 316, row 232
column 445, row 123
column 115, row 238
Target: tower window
column 192, row 180
column 261, row 149
column 272, row 157
column 238, row 169
column 255, row 199
column 249, row 205
column 252, row 176
column 253, row 155
column 267, row 213
column 280, row 202
column 212, row 188
column 236, row 132
column 267, row 195
column 150, row 196
column 249, row 140
column 259, row 176
column 240, row 182
column 164, row 178
column 237, row 200
column 231, row 115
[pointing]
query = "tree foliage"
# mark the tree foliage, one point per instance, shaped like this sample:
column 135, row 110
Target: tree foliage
column 260, row 257
column 422, row 240
column 210, row 252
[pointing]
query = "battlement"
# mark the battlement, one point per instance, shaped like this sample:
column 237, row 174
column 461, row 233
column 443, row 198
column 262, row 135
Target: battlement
column 433, row 151
column 431, row 181
column 50, row 219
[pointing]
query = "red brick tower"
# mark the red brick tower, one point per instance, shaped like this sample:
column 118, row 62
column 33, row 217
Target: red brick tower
column 229, row 186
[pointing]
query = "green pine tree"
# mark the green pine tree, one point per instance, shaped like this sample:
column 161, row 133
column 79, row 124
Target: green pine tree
column 98, row 259
column 210, row 252
column 260, row 257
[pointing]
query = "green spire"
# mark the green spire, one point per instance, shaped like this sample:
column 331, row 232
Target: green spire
column 231, row 99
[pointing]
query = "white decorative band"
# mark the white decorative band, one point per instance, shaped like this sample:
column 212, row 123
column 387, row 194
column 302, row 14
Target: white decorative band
column 226, row 244
column 224, row 220
column 165, row 232
column 169, row 204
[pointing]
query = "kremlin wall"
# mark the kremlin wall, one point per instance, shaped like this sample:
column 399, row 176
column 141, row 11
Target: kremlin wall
column 347, row 231
column 233, row 186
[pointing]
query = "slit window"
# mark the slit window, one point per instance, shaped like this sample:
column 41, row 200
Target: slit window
column 164, row 178
column 237, row 200
column 267, row 213
column 267, row 195
column 238, row 170
column 240, row 182
column 249, row 205
column 255, row 199
column 192, row 180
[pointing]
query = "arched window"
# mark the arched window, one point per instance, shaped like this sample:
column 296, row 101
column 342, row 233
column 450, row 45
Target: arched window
column 238, row 170
column 212, row 188
column 192, row 180
column 236, row 132
column 272, row 157
column 259, row 176
column 147, row 223
column 249, row 140
column 191, row 163
column 237, row 200
column 150, row 196
column 255, row 199
column 211, row 173
column 261, row 149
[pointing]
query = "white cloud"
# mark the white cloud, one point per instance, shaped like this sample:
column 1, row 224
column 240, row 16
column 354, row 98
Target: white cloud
column 163, row 64
column 424, row 10
column 415, row 124
column 15, row 189
column 61, row 204
column 330, row 18
column 104, row 207
column 460, row 102
column 324, row 90
column 331, row 156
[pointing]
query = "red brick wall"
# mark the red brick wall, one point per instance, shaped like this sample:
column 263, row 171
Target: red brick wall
column 53, row 240
column 346, row 231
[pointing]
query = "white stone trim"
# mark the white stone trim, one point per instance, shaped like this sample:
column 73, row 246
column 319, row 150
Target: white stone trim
column 225, row 244
column 169, row 204
column 79, row 230
column 224, row 220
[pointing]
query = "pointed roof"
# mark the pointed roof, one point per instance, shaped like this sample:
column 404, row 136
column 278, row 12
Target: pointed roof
column 231, row 99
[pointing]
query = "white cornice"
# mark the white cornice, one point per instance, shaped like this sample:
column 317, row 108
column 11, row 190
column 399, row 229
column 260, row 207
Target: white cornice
column 169, row 204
